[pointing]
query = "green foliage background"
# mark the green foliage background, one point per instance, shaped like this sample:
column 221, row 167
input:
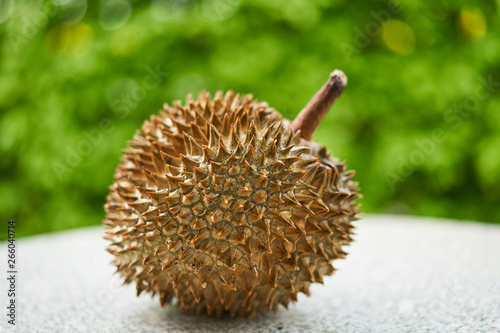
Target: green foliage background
column 66, row 68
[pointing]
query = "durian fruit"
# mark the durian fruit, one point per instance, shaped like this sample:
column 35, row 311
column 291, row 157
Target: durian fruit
column 225, row 206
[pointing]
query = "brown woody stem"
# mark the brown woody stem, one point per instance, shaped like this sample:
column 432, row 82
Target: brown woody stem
column 313, row 113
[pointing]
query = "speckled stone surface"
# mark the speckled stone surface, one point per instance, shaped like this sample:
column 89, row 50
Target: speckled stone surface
column 402, row 274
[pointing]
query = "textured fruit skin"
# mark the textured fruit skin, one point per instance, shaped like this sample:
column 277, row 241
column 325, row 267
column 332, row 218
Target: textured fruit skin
column 220, row 206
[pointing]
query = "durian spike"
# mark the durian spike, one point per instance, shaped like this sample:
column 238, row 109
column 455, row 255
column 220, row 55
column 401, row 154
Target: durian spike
column 313, row 113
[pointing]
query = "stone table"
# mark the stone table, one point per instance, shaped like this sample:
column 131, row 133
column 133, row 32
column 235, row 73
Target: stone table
column 402, row 274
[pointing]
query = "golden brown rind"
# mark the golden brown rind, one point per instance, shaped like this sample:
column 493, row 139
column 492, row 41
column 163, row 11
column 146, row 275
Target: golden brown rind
column 219, row 205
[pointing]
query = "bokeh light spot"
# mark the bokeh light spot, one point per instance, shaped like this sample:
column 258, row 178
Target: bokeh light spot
column 114, row 14
column 72, row 39
column 398, row 37
column 472, row 22
column 168, row 10
column 72, row 10
column 219, row 10
column 24, row 8
column 125, row 40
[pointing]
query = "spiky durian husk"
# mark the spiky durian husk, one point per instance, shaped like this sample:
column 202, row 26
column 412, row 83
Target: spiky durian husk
column 219, row 205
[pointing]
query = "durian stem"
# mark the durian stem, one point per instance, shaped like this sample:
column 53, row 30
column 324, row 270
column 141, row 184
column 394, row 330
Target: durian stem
column 313, row 113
